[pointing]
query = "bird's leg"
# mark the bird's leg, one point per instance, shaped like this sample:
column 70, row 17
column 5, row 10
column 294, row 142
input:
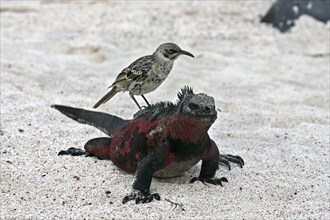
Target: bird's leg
column 132, row 96
column 145, row 100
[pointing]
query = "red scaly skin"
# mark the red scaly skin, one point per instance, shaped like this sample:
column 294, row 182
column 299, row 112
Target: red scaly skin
column 187, row 128
column 126, row 152
column 178, row 128
column 101, row 152
column 121, row 147
column 208, row 154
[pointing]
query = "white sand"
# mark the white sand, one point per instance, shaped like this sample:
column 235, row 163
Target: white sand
column 272, row 89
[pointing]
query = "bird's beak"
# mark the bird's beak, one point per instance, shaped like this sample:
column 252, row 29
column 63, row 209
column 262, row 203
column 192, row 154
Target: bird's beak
column 186, row 53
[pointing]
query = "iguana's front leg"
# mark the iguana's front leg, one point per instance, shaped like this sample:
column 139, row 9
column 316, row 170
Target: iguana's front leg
column 141, row 185
column 226, row 158
column 210, row 165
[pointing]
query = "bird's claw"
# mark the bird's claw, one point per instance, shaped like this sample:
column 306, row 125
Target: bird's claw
column 214, row 181
column 226, row 158
column 141, row 197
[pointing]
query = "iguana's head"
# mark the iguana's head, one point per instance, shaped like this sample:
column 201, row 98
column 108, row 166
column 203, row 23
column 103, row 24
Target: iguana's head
column 194, row 107
column 188, row 119
column 200, row 106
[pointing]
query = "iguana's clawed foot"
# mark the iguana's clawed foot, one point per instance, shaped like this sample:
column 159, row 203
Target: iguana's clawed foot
column 141, row 197
column 226, row 158
column 214, row 181
column 73, row 152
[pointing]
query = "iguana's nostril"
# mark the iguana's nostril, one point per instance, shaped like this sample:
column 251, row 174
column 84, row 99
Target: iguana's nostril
column 207, row 108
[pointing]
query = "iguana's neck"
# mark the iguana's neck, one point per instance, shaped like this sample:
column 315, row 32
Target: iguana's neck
column 187, row 128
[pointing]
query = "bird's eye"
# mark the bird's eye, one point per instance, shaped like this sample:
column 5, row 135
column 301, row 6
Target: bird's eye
column 171, row 51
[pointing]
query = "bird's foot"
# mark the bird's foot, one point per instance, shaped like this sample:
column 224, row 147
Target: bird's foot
column 214, row 181
column 226, row 158
column 141, row 197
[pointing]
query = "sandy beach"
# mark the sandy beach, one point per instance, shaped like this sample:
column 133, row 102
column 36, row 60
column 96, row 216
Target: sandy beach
column 271, row 92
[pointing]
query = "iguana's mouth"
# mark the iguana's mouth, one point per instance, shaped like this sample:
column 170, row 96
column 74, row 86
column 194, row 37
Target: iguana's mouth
column 208, row 115
column 205, row 116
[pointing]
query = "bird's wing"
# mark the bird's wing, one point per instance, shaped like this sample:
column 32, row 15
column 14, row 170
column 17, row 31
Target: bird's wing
column 136, row 72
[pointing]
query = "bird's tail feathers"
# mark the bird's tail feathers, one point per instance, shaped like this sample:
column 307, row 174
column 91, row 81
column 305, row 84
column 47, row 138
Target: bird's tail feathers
column 107, row 97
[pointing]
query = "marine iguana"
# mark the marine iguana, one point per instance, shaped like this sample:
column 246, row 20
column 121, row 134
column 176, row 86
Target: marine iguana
column 283, row 13
column 162, row 140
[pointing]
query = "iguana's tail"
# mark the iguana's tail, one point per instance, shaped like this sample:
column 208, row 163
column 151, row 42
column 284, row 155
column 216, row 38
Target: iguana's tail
column 107, row 123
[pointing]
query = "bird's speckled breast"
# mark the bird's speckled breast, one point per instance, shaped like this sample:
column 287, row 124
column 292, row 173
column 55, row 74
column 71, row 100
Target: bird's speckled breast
column 156, row 77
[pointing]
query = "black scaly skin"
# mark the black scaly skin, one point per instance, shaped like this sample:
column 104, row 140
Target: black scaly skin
column 163, row 140
column 283, row 13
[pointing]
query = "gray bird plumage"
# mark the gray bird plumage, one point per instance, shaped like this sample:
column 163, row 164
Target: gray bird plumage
column 145, row 74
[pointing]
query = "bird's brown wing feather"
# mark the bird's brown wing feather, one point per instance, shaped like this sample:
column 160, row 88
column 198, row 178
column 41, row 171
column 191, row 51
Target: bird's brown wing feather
column 136, row 72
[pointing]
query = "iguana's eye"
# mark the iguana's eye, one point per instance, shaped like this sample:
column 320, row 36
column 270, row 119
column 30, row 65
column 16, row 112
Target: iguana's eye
column 193, row 106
